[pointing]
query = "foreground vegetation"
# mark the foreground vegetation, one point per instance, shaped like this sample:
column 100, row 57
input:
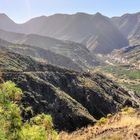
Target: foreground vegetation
column 40, row 127
column 12, row 126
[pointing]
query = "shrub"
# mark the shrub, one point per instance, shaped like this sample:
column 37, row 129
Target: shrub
column 103, row 120
column 109, row 115
column 11, row 125
column 127, row 110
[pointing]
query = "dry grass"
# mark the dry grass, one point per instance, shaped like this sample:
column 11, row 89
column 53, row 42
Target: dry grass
column 87, row 82
column 122, row 126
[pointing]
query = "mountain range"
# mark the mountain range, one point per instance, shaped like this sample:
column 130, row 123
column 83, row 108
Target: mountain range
column 55, row 59
column 78, row 37
column 96, row 32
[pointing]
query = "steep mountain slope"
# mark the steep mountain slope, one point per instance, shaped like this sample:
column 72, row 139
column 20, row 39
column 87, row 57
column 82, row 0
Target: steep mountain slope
column 41, row 55
column 129, row 25
column 122, row 126
column 73, row 99
column 78, row 53
column 95, row 31
column 7, row 24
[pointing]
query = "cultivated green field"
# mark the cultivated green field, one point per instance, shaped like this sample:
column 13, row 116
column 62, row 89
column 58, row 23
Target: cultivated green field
column 129, row 78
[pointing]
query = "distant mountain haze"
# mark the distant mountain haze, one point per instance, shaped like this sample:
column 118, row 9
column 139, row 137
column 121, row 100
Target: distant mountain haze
column 62, row 53
column 129, row 26
column 97, row 32
column 41, row 55
column 7, row 24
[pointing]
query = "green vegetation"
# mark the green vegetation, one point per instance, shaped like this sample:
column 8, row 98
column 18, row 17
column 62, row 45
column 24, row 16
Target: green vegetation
column 123, row 72
column 102, row 121
column 12, row 127
column 109, row 115
column 129, row 78
column 128, row 110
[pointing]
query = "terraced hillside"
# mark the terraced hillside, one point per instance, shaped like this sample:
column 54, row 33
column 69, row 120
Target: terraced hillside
column 38, row 54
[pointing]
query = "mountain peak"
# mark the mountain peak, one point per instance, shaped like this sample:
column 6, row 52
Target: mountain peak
column 4, row 16
column 99, row 15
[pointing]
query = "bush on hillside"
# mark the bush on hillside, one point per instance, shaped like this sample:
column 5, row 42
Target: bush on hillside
column 11, row 125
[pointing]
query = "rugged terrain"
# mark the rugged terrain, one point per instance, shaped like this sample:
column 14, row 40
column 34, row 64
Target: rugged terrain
column 96, row 32
column 123, row 66
column 73, row 99
column 63, row 53
column 124, row 125
column 72, row 79
column 129, row 55
column 128, row 24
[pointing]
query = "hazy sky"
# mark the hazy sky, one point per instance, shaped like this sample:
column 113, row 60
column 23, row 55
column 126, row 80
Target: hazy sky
column 22, row 10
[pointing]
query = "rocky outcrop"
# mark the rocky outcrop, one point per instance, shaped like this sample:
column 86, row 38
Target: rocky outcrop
column 67, row 113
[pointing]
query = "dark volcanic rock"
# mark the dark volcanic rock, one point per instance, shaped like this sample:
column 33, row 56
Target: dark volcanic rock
column 67, row 113
column 73, row 99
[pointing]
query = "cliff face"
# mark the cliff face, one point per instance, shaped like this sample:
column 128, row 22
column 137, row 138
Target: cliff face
column 73, row 99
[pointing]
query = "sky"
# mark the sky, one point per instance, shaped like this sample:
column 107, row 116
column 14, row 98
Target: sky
column 22, row 10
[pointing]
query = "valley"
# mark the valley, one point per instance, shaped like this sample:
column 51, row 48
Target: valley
column 128, row 78
column 83, row 71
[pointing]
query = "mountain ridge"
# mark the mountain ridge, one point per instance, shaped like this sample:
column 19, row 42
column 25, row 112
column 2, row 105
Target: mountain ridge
column 129, row 25
column 78, row 53
column 65, row 94
column 96, row 31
